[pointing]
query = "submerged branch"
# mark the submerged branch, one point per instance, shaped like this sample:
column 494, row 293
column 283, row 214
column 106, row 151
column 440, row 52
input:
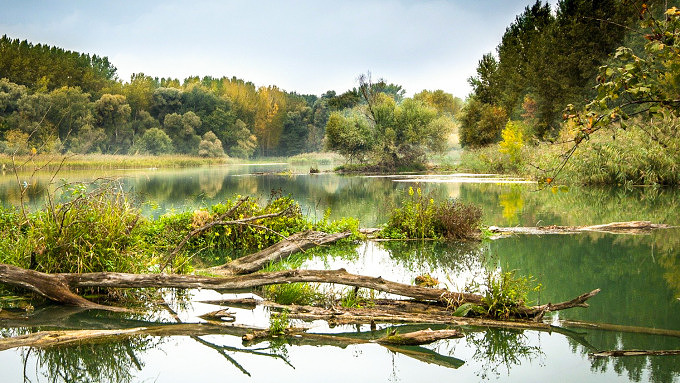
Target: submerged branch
column 632, row 227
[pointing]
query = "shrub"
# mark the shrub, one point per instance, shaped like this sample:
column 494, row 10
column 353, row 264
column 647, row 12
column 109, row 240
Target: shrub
column 422, row 217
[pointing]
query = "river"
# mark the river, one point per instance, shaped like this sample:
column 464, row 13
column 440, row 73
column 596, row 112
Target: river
column 639, row 277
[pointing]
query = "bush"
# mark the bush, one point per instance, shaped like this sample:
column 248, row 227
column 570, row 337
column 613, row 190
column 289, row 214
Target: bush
column 420, row 217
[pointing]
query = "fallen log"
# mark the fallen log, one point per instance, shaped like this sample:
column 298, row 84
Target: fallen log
column 631, row 227
column 295, row 243
column 418, row 337
column 52, row 286
column 55, row 286
column 620, row 328
column 46, row 339
column 619, row 353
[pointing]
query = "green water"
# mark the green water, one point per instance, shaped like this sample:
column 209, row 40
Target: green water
column 639, row 277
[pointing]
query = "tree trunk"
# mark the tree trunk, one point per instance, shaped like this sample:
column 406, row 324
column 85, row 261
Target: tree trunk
column 291, row 245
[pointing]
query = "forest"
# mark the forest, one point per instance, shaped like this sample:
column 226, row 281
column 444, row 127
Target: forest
column 57, row 101
column 555, row 71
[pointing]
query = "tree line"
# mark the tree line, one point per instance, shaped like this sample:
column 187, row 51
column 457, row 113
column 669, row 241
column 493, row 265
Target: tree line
column 58, row 101
column 546, row 60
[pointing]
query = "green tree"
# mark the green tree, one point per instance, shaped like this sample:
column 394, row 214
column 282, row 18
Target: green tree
column 154, row 141
column 646, row 84
column 139, row 93
column 165, row 101
column 112, row 114
column 210, row 146
column 350, row 135
column 481, row 124
column 182, row 131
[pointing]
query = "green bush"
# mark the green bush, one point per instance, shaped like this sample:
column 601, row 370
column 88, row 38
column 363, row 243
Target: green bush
column 421, row 217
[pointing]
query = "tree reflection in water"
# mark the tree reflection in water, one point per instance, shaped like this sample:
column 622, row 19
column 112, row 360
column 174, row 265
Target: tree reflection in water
column 114, row 362
column 501, row 348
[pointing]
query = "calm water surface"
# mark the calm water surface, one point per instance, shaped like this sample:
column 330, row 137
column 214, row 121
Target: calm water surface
column 639, row 277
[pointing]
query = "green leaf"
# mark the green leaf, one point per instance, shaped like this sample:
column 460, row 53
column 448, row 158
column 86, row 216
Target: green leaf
column 463, row 309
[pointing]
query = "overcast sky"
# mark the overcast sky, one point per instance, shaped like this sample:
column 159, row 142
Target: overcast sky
column 307, row 46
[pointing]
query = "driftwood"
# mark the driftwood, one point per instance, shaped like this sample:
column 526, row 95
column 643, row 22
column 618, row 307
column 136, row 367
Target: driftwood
column 418, row 337
column 632, row 227
column 621, row 328
column 293, row 244
column 54, row 286
column 618, row 353
column 395, row 311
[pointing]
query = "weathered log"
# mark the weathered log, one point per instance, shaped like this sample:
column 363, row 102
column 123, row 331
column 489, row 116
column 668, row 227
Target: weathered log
column 619, row 353
column 418, row 337
column 537, row 312
column 15, row 276
column 291, row 245
column 51, row 286
column 403, row 311
column 620, row 328
column 631, row 227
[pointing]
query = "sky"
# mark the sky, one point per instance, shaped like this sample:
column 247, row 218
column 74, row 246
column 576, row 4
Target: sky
column 306, row 46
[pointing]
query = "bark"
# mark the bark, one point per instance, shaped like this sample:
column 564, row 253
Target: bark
column 618, row 353
column 632, row 227
column 291, row 245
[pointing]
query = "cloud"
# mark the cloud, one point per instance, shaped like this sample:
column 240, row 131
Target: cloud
column 306, row 46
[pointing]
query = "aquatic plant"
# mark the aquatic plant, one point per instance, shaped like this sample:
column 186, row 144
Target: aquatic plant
column 421, row 217
column 505, row 291
column 279, row 323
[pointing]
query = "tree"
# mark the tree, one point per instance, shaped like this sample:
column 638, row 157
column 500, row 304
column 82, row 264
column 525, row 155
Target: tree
column 139, row 93
column 647, row 84
column 440, row 100
column 165, row 101
column 182, row 131
column 112, row 114
column 481, row 124
column 154, row 141
column 246, row 142
column 350, row 135
column 210, row 146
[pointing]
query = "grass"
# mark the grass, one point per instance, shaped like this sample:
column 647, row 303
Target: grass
column 279, row 323
column 316, row 159
column 108, row 161
column 646, row 153
column 103, row 230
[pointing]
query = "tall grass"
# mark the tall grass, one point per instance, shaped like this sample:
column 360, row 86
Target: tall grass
column 646, row 153
column 316, row 159
column 107, row 161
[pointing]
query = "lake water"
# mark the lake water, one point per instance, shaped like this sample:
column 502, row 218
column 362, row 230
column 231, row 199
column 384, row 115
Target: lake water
column 639, row 277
